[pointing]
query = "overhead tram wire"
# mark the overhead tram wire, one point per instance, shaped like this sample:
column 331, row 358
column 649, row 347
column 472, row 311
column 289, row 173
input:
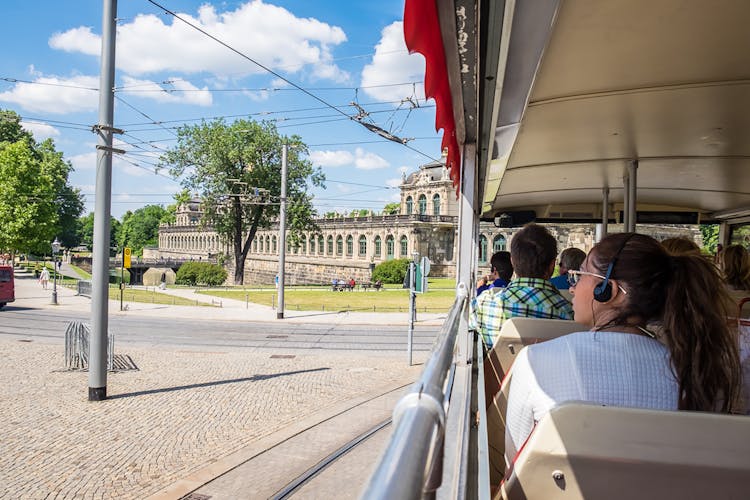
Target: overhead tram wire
column 269, row 70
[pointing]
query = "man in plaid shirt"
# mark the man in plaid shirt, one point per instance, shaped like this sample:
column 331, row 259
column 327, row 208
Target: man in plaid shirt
column 533, row 251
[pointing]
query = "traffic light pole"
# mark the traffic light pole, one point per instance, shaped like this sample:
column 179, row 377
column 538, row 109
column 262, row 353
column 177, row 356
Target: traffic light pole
column 412, row 307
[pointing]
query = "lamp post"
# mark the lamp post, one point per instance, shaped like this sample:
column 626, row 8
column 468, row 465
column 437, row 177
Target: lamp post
column 55, row 250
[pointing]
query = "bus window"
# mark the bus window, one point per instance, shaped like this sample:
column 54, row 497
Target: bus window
column 5, row 276
column 740, row 235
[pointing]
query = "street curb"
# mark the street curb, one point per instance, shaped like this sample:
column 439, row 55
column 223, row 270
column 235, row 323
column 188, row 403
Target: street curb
column 203, row 476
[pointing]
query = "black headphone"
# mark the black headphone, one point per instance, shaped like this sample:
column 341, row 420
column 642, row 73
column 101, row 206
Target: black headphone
column 603, row 291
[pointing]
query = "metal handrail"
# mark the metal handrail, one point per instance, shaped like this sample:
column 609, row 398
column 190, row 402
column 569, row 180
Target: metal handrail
column 419, row 420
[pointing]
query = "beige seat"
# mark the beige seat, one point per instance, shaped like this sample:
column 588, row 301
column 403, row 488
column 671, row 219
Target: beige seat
column 514, row 334
column 587, row 451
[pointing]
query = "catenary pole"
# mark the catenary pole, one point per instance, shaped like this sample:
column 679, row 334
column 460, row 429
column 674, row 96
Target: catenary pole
column 282, row 235
column 102, row 209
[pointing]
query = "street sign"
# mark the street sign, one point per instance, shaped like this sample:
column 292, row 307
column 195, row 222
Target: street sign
column 126, row 257
column 422, row 271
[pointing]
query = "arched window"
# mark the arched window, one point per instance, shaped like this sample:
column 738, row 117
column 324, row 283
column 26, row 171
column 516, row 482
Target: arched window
column 409, row 205
column 330, row 245
column 378, row 243
column 255, row 245
column 482, row 249
column 321, row 245
column 436, row 204
column 389, row 244
column 362, row 245
column 274, row 244
column 498, row 243
column 303, row 244
column 339, row 245
column 422, row 204
column 404, row 246
column 260, row 244
column 350, row 245
column 312, row 244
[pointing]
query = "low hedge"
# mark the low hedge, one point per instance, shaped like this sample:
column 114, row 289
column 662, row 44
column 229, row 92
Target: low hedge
column 392, row 271
column 201, row 273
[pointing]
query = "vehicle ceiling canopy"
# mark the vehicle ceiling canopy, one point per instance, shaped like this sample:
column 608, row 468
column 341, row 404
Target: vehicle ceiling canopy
column 585, row 87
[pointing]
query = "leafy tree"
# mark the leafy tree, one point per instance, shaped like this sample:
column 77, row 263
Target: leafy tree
column 332, row 215
column 360, row 213
column 392, row 208
column 391, row 271
column 141, row 228
column 36, row 202
column 225, row 163
column 86, row 231
column 710, row 233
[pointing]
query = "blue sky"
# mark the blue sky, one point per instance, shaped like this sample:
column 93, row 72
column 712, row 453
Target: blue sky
column 168, row 74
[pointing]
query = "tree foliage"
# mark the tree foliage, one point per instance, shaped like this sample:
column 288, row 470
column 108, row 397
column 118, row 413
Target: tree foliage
column 36, row 202
column 392, row 208
column 710, row 233
column 141, row 228
column 225, row 163
column 200, row 273
column 391, row 271
column 86, row 232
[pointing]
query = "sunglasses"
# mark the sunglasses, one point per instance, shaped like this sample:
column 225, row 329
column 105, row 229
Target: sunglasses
column 575, row 276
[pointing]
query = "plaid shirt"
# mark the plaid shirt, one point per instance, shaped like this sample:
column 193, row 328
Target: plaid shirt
column 529, row 297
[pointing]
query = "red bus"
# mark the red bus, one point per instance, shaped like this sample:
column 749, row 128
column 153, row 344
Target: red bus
column 7, row 292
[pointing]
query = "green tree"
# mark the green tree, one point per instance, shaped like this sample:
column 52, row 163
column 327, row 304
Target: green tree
column 236, row 170
column 710, row 233
column 86, row 231
column 391, row 271
column 171, row 212
column 141, row 228
column 36, row 202
column 392, row 208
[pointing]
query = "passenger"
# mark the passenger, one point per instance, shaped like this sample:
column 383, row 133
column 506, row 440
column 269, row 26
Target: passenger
column 680, row 245
column 532, row 251
column 734, row 262
column 501, row 271
column 570, row 260
column 627, row 282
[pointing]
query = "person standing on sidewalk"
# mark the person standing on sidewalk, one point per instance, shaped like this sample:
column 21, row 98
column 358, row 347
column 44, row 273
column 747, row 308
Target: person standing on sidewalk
column 44, row 277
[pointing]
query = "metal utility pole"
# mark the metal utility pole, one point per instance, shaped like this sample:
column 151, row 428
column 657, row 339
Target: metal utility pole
column 282, row 234
column 412, row 306
column 102, row 209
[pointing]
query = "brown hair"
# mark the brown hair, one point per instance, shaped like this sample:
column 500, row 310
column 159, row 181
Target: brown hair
column 685, row 294
column 680, row 245
column 572, row 258
column 501, row 263
column 735, row 264
column 533, row 249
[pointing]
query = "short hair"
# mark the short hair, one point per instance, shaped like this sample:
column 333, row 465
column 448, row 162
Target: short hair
column 533, row 249
column 572, row 258
column 501, row 263
column 680, row 245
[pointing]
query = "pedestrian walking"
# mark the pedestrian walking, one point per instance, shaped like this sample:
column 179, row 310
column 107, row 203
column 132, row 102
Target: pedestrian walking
column 44, row 277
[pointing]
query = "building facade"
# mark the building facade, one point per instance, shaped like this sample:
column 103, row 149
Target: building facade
column 351, row 247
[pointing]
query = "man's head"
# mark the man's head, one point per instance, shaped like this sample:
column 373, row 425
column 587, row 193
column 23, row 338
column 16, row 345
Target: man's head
column 501, row 265
column 571, row 259
column 533, row 251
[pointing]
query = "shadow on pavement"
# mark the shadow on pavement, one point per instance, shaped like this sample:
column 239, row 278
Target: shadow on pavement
column 254, row 378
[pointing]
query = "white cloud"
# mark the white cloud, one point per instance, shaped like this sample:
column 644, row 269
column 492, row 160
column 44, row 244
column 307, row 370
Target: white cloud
column 393, row 64
column 87, row 161
column 369, row 161
column 52, row 94
column 393, row 182
column 176, row 91
column 84, row 161
column 361, row 159
column 269, row 34
column 40, row 131
column 331, row 158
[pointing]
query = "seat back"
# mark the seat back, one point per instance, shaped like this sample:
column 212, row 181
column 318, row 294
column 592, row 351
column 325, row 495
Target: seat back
column 519, row 332
column 587, row 451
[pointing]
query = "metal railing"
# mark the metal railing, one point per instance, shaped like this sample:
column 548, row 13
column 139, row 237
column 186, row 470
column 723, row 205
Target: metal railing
column 412, row 462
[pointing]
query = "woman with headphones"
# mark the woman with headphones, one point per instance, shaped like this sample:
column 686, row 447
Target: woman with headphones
column 627, row 283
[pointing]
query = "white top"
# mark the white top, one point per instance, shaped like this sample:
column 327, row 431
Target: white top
column 610, row 368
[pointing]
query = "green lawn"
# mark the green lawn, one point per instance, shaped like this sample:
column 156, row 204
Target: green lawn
column 389, row 300
column 151, row 297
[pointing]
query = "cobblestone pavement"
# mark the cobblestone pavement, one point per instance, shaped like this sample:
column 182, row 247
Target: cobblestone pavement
column 183, row 410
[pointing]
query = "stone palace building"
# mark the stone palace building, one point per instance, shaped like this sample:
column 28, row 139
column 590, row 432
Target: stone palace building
column 351, row 247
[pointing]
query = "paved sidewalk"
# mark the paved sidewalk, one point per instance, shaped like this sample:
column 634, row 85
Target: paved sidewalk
column 30, row 292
